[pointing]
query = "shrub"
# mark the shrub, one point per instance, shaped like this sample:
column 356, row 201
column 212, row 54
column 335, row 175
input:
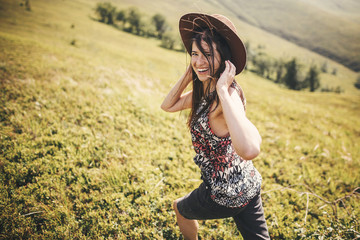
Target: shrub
column 134, row 19
column 334, row 71
column 291, row 78
column 168, row 40
column 27, row 5
column 106, row 12
column 357, row 83
column 324, row 67
column 147, row 29
column 160, row 23
column 263, row 65
column 312, row 78
column 279, row 70
column 122, row 17
column 337, row 89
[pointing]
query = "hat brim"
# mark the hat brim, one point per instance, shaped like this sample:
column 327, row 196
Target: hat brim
column 189, row 22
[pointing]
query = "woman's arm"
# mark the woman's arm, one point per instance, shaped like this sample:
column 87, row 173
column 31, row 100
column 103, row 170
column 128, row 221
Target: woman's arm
column 175, row 100
column 244, row 135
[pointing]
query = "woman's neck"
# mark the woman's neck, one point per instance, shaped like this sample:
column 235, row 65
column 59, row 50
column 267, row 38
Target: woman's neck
column 206, row 84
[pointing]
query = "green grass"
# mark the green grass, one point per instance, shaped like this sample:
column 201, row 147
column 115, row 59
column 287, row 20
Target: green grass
column 86, row 152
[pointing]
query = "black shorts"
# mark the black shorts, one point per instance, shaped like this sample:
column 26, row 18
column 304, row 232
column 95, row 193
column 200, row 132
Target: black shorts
column 199, row 205
column 249, row 219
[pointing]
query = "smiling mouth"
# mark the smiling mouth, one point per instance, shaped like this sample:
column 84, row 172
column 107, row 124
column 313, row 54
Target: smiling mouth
column 202, row 70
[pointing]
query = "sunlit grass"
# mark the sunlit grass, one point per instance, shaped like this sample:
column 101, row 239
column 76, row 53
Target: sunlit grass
column 86, row 151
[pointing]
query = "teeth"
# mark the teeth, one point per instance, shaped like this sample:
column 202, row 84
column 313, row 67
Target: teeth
column 202, row 70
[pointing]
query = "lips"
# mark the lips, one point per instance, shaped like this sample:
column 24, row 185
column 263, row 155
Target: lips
column 202, row 70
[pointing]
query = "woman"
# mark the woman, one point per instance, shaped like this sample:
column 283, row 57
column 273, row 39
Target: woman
column 224, row 140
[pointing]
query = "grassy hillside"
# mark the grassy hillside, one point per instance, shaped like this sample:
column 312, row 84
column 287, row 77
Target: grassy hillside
column 323, row 27
column 348, row 8
column 86, row 153
column 271, row 44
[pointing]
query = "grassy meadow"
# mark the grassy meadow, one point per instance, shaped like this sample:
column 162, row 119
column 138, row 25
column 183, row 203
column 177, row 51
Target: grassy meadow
column 86, row 152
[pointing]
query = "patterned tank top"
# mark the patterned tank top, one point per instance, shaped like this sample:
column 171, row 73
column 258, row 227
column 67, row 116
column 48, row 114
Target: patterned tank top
column 233, row 181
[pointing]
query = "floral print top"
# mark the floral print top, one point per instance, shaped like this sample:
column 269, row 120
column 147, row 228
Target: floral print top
column 233, row 181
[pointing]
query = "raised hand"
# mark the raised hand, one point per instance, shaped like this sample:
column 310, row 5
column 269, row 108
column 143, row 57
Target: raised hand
column 227, row 77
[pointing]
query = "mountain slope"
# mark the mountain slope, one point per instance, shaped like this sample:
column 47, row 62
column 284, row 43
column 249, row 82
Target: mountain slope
column 86, row 152
column 274, row 45
column 326, row 27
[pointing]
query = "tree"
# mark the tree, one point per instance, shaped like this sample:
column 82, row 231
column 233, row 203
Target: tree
column 134, row 19
column 312, row 78
column 110, row 14
column 279, row 69
column 334, row 71
column 291, row 75
column 122, row 17
column 106, row 12
column 324, row 67
column 263, row 65
column 160, row 24
column 101, row 11
column 357, row 83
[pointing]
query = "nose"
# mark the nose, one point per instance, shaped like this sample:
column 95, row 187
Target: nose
column 200, row 60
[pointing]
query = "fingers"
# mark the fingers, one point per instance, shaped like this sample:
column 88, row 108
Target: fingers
column 232, row 68
column 227, row 77
column 189, row 71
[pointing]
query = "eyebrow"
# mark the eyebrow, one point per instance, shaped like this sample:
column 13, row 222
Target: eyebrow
column 206, row 52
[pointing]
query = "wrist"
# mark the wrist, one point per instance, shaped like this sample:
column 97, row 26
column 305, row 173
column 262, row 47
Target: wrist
column 222, row 90
column 223, row 93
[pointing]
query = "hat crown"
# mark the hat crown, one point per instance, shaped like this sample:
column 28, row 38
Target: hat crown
column 226, row 21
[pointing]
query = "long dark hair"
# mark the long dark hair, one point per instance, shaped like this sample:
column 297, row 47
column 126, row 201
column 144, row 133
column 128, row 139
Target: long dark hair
column 209, row 37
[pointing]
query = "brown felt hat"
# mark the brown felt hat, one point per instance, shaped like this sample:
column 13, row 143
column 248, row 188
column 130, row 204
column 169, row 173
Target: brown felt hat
column 190, row 22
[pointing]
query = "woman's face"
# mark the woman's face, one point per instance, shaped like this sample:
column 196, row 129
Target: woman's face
column 200, row 63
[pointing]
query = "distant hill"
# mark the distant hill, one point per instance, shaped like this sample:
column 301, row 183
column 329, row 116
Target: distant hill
column 328, row 27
